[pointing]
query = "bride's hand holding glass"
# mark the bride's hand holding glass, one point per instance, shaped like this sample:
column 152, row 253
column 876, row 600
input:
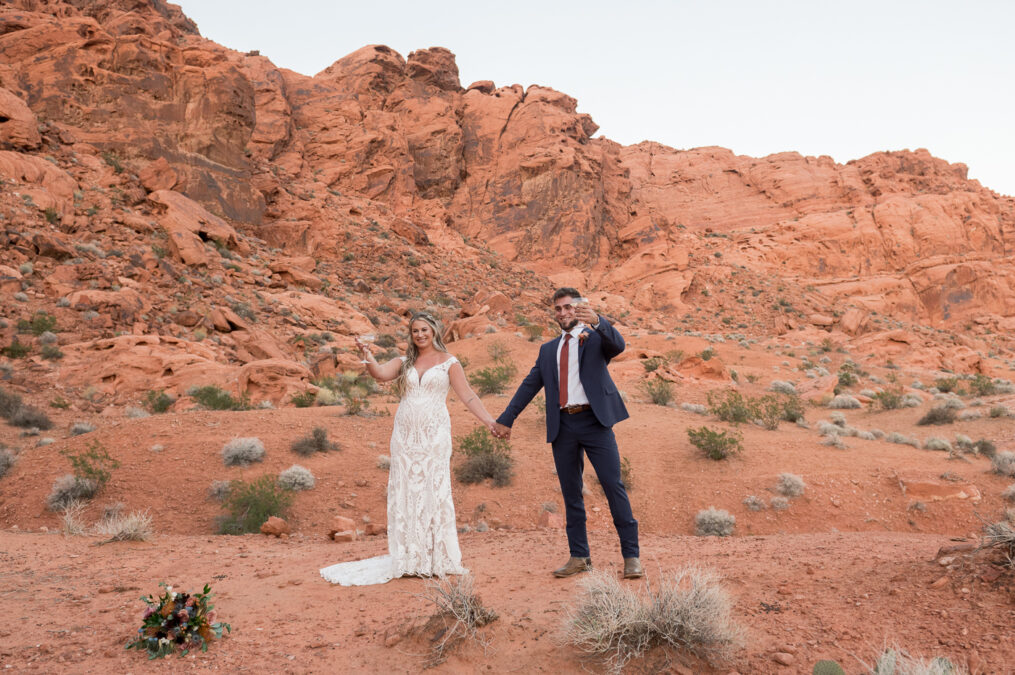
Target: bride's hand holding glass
column 364, row 348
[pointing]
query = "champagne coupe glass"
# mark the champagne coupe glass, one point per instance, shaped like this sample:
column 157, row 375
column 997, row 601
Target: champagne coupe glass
column 367, row 337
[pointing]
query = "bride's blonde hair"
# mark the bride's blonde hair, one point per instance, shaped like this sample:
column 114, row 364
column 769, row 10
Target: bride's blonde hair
column 412, row 352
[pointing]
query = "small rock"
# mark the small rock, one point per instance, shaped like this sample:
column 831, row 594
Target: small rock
column 344, row 537
column 275, row 527
column 783, row 658
column 946, row 561
column 941, row 581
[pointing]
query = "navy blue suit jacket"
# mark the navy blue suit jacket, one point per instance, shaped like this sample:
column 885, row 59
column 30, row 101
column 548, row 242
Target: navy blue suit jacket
column 594, row 354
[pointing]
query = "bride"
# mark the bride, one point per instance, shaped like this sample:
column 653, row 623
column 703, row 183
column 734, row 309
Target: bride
column 422, row 534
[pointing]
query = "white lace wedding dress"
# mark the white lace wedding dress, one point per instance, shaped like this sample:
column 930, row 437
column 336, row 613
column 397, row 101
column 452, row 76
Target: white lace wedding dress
column 422, row 535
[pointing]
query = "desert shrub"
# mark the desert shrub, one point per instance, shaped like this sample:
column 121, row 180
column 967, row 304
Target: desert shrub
column 890, row 398
column 40, row 323
column 51, row 353
column 981, row 385
column 969, row 415
column 242, row 452
column 937, row 415
column 779, row 503
column 964, row 442
column 754, row 503
column 383, row 462
column 1003, row 463
column 158, row 401
column 780, row 387
column 847, row 375
column 838, row 419
column 485, row 457
column 304, row 399
column 250, row 504
column 16, row 349
column 493, row 379
column 912, row 401
column 951, row 402
column 93, row 463
column 716, row 445
column 844, row 402
column 219, row 490
column 658, row 391
column 72, row 523
column 833, row 440
column 653, row 363
column 134, row 413
column 985, row 447
column 713, row 522
column 534, row 332
column 10, row 403
column 877, row 433
column 1009, row 493
column 826, row 428
column 731, row 406
column 790, row 485
column 900, row 439
column 68, row 489
column 946, row 384
column 134, row 526
column 865, row 435
column 792, row 408
column 695, row 408
column 937, row 444
column 214, row 398
column 79, row 428
column 6, row 461
column 296, row 478
column 688, row 610
column 48, row 338
column 317, row 441
column 999, row 411
column 895, row 661
column 458, row 614
column 29, row 416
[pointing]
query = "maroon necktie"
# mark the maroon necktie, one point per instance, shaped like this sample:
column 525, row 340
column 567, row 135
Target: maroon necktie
column 564, row 353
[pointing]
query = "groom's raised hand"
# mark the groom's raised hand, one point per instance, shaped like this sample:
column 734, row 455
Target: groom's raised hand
column 501, row 431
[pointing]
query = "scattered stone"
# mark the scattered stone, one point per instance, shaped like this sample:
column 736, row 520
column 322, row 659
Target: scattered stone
column 275, row 527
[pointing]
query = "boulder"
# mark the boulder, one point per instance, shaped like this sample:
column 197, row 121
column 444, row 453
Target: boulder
column 19, row 129
column 275, row 527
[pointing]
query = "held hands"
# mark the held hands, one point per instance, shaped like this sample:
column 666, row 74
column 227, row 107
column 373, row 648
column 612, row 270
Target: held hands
column 500, row 431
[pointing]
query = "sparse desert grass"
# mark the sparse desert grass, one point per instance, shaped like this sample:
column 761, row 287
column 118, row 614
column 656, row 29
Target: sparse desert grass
column 826, row 428
column 10, row 403
column 219, row 490
column 754, row 503
column 896, row 661
column 383, row 462
column 937, row 415
column 688, row 610
column 844, row 402
column 790, row 485
column 6, row 461
column 1009, row 493
column 458, row 615
column 716, row 445
column 935, row 443
column 902, row 439
column 713, row 522
column 970, row 415
column 696, row 408
column 485, row 457
column 985, row 447
column 891, row 398
column 133, row 526
column 72, row 522
column 912, row 401
column 158, row 401
column 779, row 503
column 317, row 441
column 134, row 413
column 214, row 398
column 296, row 478
column 1003, row 463
column 79, row 428
column 28, row 417
column 242, row 452
column 999, row 411
column 68, row 489
column 781, row 387
column 951, row 402
column 834, row 441
column 250, row 504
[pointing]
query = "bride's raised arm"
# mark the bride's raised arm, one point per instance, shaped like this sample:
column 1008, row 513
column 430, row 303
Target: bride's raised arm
column 382, row 372
column 470, row 398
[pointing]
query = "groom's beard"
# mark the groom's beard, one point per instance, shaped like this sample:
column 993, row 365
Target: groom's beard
column 567, row 328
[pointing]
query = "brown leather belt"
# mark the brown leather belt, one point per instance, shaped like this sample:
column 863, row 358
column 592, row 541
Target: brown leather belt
column 572, row 409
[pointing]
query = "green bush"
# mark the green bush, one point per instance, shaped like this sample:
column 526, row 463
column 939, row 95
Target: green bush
column 847, row 376
column 485, row 457
column 158, row 401
column 16, row 349
column 653, row 364
column 28, row 416
column 716, row 445
column 305, row 399
column 51, row 353
column 731, row 406
column 93, row 463
column 659, row 391
column 707, row 354
column 534, row 332
column 891, row 398
column 40, row 323
column 771, row 410
column 10, row 403
column 213, row 398
column 938, row 415
column 981, row 385
column 946, row 385
column 792, row 408
column 493, row 379
column 317, row 441
column 250, row 504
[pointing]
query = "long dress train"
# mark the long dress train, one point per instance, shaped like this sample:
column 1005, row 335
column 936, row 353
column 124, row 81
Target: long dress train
column 422, row 535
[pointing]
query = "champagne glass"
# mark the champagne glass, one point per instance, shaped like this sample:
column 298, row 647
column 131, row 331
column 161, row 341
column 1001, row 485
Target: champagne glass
column 367, row 337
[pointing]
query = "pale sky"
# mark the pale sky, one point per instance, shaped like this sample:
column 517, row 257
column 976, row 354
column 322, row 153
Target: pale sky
column 843, row 79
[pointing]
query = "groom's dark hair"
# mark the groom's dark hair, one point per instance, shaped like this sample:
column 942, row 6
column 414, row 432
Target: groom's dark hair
column 565, row 291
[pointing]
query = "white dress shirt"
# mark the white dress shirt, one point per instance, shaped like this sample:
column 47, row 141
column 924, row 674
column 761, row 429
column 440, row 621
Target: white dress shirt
column 575, row 391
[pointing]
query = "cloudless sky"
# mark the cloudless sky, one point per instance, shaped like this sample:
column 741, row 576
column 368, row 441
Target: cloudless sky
column 843, row 79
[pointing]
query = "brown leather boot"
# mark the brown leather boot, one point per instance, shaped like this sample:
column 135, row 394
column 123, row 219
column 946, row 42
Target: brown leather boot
column 573, row 566
column 633, row 569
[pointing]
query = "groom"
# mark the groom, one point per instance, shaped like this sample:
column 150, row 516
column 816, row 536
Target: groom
column 582, row 405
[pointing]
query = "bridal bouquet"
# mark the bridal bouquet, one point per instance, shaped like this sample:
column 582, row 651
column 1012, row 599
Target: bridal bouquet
column 177, row 620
